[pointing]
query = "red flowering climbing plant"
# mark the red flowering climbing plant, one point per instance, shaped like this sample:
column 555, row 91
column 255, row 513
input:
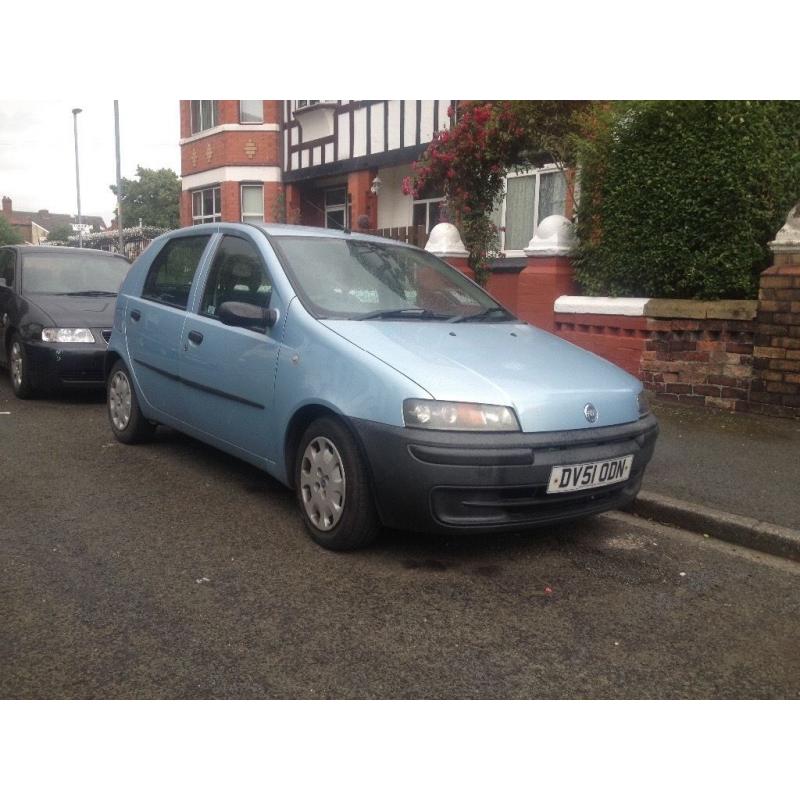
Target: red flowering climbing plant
column 471, row 158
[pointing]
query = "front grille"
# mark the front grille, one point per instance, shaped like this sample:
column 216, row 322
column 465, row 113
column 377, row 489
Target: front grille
column 518, row 505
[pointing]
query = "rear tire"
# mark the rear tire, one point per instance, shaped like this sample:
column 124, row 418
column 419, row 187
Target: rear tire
column 127, row 422
column 18, row 369
column 333, row 488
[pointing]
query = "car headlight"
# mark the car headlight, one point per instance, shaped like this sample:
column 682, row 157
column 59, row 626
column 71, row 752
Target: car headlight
column 644, row 407
column 67, row 335
column 444, row 416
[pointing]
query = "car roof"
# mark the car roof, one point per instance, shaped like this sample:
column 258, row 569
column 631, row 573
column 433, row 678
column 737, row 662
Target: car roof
column 327, row 233
column 89, row 251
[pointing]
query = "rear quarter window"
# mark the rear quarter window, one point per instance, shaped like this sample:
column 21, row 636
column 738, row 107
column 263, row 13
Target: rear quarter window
column 172, row 271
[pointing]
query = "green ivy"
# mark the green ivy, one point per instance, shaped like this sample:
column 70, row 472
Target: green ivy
column 679, row 198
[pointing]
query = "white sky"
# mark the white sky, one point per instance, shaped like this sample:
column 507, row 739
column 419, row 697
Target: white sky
column 37, row 151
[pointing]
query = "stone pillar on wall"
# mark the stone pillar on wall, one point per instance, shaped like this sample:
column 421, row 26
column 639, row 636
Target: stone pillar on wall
column 548, row 274
column 445, row 242
column 776, row 356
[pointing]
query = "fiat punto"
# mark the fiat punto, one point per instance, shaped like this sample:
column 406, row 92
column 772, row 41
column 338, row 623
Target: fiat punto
column 378, row 382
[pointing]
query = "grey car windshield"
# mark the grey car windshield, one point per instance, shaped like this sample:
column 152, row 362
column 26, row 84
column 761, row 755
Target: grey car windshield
column 72, row 273
column 363, row 279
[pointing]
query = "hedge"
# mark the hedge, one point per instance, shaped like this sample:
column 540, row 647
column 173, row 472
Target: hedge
column 679, row 198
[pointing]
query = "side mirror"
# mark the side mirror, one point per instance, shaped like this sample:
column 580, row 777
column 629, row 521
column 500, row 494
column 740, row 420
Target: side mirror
column 246, row 315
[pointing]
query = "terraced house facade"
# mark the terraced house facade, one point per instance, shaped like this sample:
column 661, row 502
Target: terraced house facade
column 333, row 163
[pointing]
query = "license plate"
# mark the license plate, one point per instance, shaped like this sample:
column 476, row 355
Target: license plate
column 574, row 477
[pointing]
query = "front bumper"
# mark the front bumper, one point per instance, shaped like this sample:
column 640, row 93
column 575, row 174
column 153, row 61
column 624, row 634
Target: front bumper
column 59, row 364
column 440, row 481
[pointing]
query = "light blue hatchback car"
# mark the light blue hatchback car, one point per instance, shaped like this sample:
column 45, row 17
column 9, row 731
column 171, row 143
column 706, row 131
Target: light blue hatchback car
column 377, row 381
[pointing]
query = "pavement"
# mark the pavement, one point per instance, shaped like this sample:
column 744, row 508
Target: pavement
column 732, row 476
column 171, row 570
column 741, row 463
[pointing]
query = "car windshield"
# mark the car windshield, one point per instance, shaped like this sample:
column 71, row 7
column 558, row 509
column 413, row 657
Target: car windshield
column 72, row 273
column 360, row 279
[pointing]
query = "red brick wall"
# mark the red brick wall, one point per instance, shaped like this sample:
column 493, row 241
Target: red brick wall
column 539, row 285
column 776, row 364
column 230, row 148
column 186, row 209
column 620, row 339
column 705, row 362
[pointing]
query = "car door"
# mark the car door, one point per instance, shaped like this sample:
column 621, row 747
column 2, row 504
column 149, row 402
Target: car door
column 154, row 322
column 7, row 300
column 228, row 373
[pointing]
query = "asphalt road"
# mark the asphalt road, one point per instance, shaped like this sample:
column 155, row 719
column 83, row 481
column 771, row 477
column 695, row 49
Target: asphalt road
column 173, row 571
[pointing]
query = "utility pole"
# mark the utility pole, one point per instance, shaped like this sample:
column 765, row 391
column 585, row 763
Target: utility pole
column 119, row 177
column 75, row 112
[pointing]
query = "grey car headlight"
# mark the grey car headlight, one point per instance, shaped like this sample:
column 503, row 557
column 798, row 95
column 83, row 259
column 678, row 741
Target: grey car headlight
column 72, row 335
column 644, row 406
column 447, row 416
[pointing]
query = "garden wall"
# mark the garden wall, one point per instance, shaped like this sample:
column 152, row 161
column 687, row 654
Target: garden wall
column 738, row 355
column 698, row 353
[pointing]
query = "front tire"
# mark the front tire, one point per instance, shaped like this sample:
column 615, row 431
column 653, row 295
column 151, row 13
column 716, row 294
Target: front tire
column 18, row 369
column 127, row 422
column 333, row 488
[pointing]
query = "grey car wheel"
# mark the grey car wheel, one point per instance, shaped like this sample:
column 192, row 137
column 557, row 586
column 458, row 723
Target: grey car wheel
column 18, row 368
column 333, row 487
column 17, row 365
column 124, row 414
column 323, row 483
column 119, row 400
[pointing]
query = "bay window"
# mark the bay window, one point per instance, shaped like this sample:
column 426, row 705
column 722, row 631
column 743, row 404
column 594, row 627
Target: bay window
column 251, row 111
column 530, row 197
column 204, row 115
column 206, row 206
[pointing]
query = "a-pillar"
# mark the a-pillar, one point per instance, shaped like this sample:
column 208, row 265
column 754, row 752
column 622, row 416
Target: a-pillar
column 548, row 274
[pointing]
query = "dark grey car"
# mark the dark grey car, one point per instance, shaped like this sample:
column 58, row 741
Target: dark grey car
column 56, row 311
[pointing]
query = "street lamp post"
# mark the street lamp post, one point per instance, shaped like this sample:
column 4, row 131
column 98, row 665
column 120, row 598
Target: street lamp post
column 119, row 178
column 75, row 112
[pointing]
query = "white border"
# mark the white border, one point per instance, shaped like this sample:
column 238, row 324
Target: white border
column 622, row 306
column 231, row 126
column 252, row 174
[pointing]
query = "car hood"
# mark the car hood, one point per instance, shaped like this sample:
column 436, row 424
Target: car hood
column 78, row 311
column 547, row 380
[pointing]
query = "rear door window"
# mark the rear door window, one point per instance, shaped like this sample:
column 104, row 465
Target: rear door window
column 169, row 280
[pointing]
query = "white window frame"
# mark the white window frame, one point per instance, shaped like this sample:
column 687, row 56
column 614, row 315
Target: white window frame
column 252, row 122
column 430, row 202
column 337, row 206
column 216, row 208
column 203, row 126
column 546, row 169
column 299, row 104
column 251, row 217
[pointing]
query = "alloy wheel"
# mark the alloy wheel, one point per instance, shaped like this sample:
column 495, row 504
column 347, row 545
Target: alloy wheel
column 17, row 364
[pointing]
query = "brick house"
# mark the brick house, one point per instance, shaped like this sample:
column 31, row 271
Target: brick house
column 34, row 226
column 333, row 163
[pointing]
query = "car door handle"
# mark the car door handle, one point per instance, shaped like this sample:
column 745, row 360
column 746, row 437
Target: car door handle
column 136, row 315
column 195, row 336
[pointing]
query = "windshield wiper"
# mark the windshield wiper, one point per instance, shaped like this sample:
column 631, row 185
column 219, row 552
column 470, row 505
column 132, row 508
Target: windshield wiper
column 399, row 313
column 480, row 315
column 90, row 293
